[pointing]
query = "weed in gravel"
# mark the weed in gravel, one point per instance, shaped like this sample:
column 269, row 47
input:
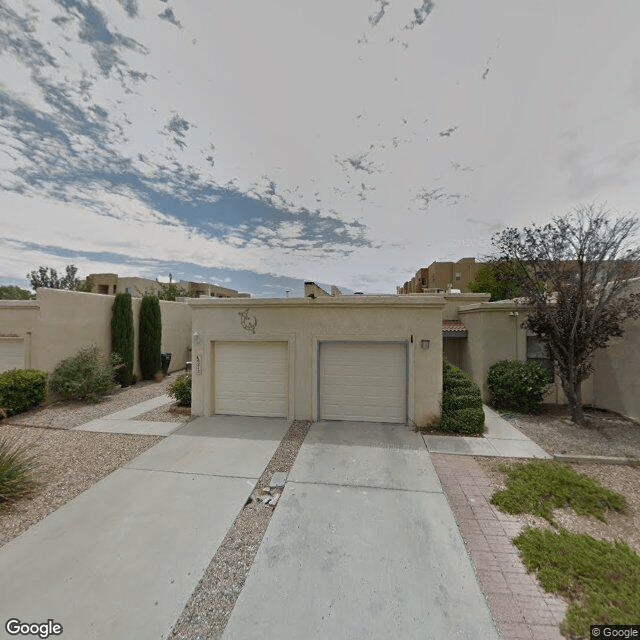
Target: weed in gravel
column 540, row 486
column 17, row 469
column 601, row 580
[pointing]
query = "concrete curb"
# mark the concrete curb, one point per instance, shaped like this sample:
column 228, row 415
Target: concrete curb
column 562, row 457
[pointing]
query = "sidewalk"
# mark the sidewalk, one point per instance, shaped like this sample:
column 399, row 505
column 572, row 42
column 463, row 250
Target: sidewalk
column 122, row 558
column 501, row 439
column 124, row 421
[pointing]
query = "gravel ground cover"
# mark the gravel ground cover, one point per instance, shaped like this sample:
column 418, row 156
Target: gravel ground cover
column 164, row 414
column 69, row 463
column 606, row 434
column 624, row 479
column 209, row 608
column 66, row 415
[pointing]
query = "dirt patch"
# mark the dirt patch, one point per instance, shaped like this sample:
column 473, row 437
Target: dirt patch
column 69, row 463
column 605, row 434
column 624, row 479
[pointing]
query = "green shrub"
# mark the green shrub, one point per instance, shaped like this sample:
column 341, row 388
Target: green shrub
column 86, row 376
column 451, row 401
column 150, row 337
column 180, row 389
column 601, row 580
column 22, row 389
column 122, row 341
column 517, row 386
column 469, row 421
column 461, row 403
column 16, row 472
column 540, row 486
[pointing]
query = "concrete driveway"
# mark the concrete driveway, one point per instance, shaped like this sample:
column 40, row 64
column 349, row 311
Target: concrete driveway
column 362, row 545
column 122, row 558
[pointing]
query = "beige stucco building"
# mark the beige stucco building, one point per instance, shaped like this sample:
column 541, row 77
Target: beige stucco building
column 111, row 283
column 339, row 358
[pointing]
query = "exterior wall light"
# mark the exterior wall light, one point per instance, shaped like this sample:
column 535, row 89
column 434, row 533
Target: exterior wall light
column 196, row 337
column 424, row 344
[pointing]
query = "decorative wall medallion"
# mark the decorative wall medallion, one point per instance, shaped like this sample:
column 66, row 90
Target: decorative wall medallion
column 247, row 322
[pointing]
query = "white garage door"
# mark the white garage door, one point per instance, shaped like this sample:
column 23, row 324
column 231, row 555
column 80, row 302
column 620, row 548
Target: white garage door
column 251, row 378
column 11, row 353
column 363, row 381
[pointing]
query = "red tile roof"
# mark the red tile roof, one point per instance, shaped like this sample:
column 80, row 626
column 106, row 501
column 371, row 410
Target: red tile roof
column 453, row 325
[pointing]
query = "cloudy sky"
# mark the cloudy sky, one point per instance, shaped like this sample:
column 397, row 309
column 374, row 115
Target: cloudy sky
column 262, row 143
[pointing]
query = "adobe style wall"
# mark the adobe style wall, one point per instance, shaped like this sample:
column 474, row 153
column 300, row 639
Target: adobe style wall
column 617, row 368
column 58, row 323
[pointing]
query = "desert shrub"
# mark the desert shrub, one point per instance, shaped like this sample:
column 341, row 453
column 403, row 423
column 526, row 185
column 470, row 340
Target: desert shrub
column 180, row 389
column 599, row 579
column 16, row 472
column 122, row 341
column 540, row 486
column 461, row 403
column 21, row 389
column 150, row 336
column 517, row 386
column 86, row 376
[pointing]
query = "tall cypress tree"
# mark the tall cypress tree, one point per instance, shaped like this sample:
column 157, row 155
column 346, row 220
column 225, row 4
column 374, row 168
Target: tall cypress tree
column 150, row 336
column 122, row 341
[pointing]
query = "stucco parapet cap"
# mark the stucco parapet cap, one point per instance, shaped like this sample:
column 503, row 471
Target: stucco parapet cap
column 338, row 301
column 21, row 304
column 506, row 305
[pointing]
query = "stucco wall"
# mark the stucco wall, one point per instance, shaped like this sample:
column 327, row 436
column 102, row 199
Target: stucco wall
column 616, row 370
column 302, row 322
column 495, row 335
column 59, row 323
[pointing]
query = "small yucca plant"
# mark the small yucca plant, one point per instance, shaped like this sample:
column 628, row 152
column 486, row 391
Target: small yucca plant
column 17, row 468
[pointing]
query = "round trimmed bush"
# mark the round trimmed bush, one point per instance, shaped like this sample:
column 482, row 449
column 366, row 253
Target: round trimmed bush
column 180, row 389
column 21, row 389
column 517, row 386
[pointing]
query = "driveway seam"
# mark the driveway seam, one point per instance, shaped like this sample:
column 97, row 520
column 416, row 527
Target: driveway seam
column 193, row 473
column 362, row 486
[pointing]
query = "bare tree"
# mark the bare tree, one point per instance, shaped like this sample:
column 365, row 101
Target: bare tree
column 574, row 276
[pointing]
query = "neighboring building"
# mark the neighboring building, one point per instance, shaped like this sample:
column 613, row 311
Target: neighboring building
column 442, row 276
column 111, row 283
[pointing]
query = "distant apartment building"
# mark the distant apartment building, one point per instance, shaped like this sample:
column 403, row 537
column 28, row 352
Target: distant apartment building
column 442, row 276
column 111, row 283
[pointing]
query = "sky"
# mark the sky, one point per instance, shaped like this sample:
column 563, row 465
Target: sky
column 259, row 144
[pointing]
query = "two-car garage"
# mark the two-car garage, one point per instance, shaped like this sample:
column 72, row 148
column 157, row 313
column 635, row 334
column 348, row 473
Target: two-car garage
column 357, row 380
column 350, row 358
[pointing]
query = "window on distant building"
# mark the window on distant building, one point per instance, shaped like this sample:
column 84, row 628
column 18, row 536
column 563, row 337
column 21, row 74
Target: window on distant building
column 127, row 289
column 538, row 351
column 457, row 276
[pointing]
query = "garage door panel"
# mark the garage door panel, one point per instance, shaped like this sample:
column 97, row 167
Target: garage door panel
column 363, row 381
column 251, row 378
column 11, row 353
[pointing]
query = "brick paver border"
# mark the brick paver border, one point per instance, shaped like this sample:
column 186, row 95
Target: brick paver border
column 521, row 608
